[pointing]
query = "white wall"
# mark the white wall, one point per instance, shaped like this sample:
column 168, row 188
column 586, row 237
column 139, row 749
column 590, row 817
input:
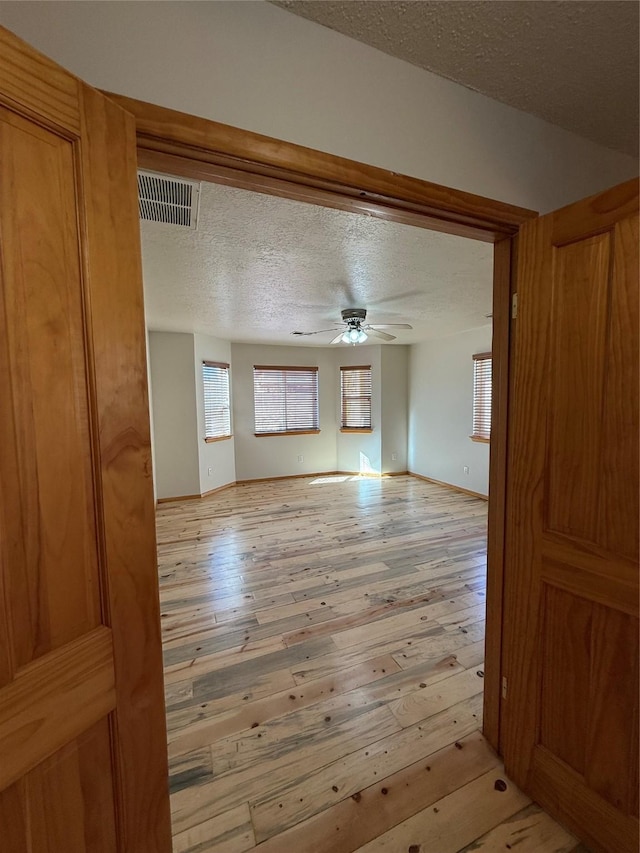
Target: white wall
column 174, row 414
column 217, row 456
column 395, row 401
column 360, row 452
column 258, row 67
column 441, row 407
column 277, row 456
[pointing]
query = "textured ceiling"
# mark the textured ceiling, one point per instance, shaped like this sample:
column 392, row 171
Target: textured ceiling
column 259, row 267
column 572, row 63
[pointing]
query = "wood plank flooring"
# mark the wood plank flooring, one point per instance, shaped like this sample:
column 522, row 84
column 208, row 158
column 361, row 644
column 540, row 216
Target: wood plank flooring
column 323, row 655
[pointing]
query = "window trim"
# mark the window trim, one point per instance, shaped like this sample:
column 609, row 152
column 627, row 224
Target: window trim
column 356, row 429
column 478, row 436
column 288, row 368
column 222, row 365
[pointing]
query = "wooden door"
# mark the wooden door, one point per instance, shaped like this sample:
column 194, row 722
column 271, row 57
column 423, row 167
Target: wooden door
column 82, row 735
column 570, row 644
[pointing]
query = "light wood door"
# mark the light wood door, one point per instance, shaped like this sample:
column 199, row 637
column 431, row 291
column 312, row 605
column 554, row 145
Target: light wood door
column 570, row 653
column 82, row 734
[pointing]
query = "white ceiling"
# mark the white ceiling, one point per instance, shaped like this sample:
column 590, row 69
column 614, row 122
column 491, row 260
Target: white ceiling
column 259, row 267
column 570, row 62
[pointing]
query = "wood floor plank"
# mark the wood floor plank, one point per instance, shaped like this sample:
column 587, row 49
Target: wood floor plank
column 230, row 832
column 528, row 831
column 403, row 621
column 471, row 655
column 316, row 791
column 456, row 820
column 310, row 588
column 204, row 664
column 234, row 779
column 420, row 704
column 280, row 704
column 238, row 690
column 396, row 598
column 364, row 815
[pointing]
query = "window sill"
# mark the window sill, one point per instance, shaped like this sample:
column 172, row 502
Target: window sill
column 356, row 429
column 218, row 438
column 288, row 432
column 480, row 438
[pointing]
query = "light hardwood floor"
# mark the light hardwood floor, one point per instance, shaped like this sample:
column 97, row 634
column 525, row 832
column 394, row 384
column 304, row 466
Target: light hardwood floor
column 323, row 665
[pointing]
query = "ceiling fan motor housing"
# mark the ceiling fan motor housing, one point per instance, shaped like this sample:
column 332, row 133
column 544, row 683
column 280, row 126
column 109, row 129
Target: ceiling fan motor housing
column 354, row 316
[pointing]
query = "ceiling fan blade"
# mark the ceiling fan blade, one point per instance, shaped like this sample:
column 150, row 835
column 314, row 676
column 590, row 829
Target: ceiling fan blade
column 374, row 333
column 337, row 338
column 390, row 326
column 318, row 332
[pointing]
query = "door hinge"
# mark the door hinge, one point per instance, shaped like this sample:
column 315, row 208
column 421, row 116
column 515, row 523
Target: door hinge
column 514, row 306
column 504, row 686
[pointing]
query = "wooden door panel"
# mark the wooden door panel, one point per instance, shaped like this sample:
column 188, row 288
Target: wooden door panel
column 619, row 506
column 83, row 759
column 71, row 807
column 63, row 804
column 578, row 335
column 564, row 692
column 46, row 428
column 563, row 792
column 585, row 700
column 613, row 707
column 571, row 590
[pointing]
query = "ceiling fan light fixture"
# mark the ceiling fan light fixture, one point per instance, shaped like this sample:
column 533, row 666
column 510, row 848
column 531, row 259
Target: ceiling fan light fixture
column 354, row 336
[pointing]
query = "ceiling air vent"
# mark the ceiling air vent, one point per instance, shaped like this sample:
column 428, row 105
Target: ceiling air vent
column 170, row 200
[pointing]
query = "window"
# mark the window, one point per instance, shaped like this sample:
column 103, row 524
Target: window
column 217, row 413
column 286, row 400
column 355, row 393
column 481, row 397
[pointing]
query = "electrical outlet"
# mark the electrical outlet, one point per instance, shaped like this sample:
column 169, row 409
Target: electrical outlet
column 300, row 457
column 394, row 457
column 466, row 469
column 209, row 471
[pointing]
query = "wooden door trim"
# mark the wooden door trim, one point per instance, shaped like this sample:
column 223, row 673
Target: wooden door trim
column 207, row 150
column 504, row 257
column 131, row 601
column 197, row 148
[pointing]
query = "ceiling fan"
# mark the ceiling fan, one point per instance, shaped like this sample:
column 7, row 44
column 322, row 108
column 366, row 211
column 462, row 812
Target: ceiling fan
column 356, row 331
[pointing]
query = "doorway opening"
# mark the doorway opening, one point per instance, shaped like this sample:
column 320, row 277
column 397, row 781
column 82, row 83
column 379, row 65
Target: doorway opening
column 326, row 614
column 182, row 145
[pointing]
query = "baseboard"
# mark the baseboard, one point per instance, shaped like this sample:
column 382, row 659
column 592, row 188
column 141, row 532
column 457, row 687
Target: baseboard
column 372, row 475
column 450, row 486
column 288, row 477
column 195, row 497
column 178, row 498
column 218, row 489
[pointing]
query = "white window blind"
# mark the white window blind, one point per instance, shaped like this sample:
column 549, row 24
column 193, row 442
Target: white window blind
column 286, row 399
column 217, row 415
column 355, row 392
column 482, row 396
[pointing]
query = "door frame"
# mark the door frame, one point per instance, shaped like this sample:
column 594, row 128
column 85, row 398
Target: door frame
column 185, row 145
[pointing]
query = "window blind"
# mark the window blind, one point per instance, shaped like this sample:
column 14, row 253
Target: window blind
column 286, row 399
column 482, row 396
column 355, row 392
column 217, row 414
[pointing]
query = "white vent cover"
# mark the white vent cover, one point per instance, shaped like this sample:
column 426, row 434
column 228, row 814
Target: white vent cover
column 174, row 201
